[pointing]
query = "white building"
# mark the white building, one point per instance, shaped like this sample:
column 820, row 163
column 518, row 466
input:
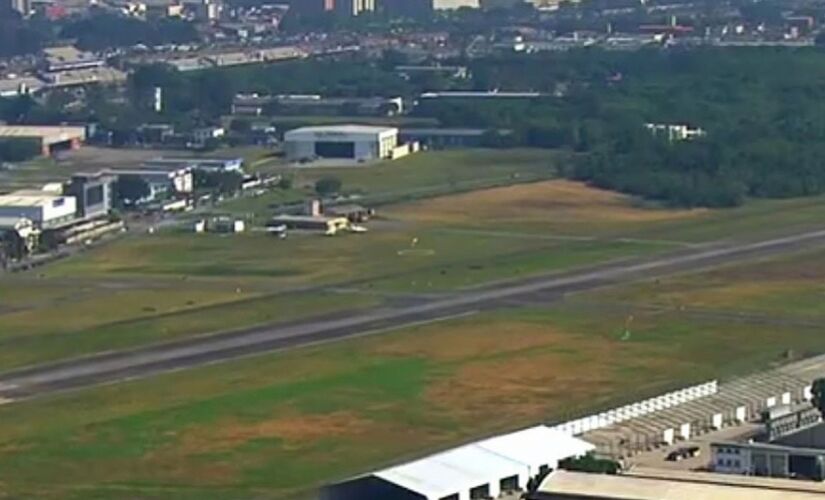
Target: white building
column 484, row 469
column 354, row 142
column 46, row 210
column 454, row 4
column 674, row 132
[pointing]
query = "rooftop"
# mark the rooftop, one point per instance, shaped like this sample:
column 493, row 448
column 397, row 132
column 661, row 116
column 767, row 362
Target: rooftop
column 66, row 54
column 651, row 484
column 469, row 132
column 46, row 132
column 28, row 198
column 488, row 460
column 483, row 93
column 345, row 129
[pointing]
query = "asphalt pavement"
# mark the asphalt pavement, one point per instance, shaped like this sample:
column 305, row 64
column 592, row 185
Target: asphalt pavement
column 113, row 367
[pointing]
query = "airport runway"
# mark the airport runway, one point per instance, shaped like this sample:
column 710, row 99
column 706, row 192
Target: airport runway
column 143, row 362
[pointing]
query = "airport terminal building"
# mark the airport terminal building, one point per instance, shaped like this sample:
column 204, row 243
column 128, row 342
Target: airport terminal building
column 352, row 142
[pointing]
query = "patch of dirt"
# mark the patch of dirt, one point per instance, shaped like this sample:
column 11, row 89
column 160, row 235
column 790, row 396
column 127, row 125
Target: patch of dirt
column 561, row 200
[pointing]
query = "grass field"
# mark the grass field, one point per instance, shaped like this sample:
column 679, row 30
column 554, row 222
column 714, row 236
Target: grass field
column 424, row 246
column 54, row 319
column 277, row 426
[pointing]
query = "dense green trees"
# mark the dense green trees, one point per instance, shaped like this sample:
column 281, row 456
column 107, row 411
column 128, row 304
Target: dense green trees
column 13, row 150
column 103, row 30
column 763, row 110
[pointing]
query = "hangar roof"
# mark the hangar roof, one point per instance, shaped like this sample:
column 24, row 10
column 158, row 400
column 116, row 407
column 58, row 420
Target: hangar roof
column 451, row 471
column 485, row 461
column 341, row 129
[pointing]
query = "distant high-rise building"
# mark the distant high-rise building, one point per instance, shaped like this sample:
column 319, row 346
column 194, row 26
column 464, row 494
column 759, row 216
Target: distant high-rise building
column 22, row 6
column 454, row 4
column 354, row 7
column 312, row 6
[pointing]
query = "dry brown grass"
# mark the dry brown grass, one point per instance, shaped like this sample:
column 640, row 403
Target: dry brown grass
column 295, row 429
column 550, row 201
column 463, row 341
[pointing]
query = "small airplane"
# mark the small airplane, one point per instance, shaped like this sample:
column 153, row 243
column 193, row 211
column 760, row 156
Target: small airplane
column 279, row 230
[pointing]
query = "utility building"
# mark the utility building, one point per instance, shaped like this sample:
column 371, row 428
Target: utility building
column 355, row 142
column 45, row 210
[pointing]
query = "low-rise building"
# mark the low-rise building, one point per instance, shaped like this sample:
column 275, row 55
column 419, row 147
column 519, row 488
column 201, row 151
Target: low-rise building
column 675, row 132
column 68, row 58
column 93, row 192
column 49, row 138
column 321, row 223
column 352, row 142
column 257, row 105
column 446, row 138
column 204, row 134
column 217, row 164
column 651, row 484
column 45, row 210
column 20, row 85
column 798, row 454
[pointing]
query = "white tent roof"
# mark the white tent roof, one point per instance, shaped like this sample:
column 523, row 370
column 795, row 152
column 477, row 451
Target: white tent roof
column 451, row 471
column 484, row 462
column 537, row 446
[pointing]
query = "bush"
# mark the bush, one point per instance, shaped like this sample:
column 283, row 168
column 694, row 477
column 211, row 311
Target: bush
column 19, row 149
column 326, row 186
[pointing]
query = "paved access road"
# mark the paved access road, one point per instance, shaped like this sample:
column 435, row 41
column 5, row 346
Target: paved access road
column 143, row 362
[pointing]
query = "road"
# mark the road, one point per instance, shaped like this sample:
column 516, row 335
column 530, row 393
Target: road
column 198, row 351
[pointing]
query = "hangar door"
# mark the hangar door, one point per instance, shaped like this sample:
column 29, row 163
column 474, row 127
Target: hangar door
column 335, row 149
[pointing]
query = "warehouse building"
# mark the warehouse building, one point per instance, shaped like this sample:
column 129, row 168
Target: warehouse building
column 353, row 142
column 45, row 210
column 484, row 469
column 49, row 138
